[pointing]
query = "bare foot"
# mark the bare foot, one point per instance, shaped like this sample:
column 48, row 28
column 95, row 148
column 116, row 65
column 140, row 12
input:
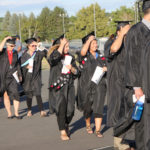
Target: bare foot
column 29, row 114
column 64, row 136
column 43, row 114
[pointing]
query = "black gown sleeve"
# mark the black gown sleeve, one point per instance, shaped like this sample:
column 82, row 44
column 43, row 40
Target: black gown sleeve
column 133, row 49
column 54, row 58
column 109, row 56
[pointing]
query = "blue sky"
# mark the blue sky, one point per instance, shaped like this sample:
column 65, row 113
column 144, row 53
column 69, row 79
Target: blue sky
column 71, row 6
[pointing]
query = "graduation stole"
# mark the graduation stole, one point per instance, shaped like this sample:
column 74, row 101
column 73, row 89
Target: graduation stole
column 62, row 80
column 27, row 62
column 10, row 57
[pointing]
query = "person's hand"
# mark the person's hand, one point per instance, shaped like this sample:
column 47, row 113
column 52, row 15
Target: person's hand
column 63, row 41
column 29, row 67
column 105, row 69
column 124, row 30
column 20, row 79
column 91, row 38
column 69, row 67
column 138, row 93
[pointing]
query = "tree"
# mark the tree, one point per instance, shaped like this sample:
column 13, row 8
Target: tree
column 85, row 22
column 13, row 25
column 43, row 23
column 121, row 14
column 6, row 21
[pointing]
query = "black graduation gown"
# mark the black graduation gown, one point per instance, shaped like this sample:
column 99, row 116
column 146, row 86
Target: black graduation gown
column 91, row 97
column 67, row 92
column 31, row 82
column 116, row 86
column 137, row 75
column 119, row 99
column 7, row 81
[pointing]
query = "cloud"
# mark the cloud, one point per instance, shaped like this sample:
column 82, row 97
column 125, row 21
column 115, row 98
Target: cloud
column 23, row 2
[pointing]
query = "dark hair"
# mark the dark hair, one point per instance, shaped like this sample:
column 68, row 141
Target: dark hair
column 146, row 11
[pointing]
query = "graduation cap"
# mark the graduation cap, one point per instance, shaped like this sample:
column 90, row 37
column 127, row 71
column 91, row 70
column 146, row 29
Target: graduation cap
column 11, row 41
column 146, row 5
column 57, row 41
column 29, row 41
column 85, row 38
column 122, row 24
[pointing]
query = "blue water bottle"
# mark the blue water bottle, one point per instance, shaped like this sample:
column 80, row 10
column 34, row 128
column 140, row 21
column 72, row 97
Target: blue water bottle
column 137, row 111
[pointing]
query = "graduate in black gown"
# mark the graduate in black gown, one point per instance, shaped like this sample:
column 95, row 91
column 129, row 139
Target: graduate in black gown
column 119, row 103
column 61, row 84
column 91, row 96
column 31, row 71
column 137, row 73
column 10, row 70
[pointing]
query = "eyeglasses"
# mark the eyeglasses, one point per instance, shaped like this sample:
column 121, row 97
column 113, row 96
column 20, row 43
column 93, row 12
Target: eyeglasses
column 33, row 45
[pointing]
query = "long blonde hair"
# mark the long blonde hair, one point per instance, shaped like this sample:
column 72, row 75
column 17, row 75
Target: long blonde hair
column 50, row 51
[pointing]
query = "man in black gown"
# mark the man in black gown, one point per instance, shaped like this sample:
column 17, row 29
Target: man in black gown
column 117, row 104
column 137, row 73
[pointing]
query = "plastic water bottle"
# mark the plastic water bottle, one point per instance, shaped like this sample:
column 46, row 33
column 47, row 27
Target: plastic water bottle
column 137, row 111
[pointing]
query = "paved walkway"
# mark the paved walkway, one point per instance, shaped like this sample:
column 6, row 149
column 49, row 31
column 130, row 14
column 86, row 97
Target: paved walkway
column 38, row 133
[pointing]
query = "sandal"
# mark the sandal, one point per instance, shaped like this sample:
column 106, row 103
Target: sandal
column 98, row 134
column 89, row 130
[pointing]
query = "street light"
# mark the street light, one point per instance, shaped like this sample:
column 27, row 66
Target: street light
column 94, row 18
column 19, row 14
column 63, row 22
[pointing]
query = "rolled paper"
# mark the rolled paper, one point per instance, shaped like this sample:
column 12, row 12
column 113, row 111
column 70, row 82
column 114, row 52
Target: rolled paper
column 15, row 75
column 98, row 74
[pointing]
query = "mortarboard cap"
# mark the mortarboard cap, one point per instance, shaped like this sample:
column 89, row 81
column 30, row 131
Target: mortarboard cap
column 57, row 41
column 29, row 41
column 85, row 38
column 11, row 41
column 146, row 5
column 122, row 24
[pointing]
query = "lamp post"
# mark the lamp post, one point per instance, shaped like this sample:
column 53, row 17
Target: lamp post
column 63, row 22
column 94, row 18
column 19, row 26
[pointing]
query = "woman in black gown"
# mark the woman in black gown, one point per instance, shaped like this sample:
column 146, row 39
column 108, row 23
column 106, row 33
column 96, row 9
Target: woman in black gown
column 8, row 84
column 61, row 85
column 91, row 96
column 31, row 70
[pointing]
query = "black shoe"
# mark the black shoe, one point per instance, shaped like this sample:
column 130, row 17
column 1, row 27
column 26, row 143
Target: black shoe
column 18, row 117
column 11, row 117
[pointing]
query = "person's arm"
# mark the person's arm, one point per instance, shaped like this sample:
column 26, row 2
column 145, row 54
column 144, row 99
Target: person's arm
column 19, row 49
column 86, row 45
column 119, row 40
column 3, row 42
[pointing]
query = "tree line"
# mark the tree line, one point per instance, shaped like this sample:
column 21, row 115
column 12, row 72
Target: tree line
column 50, row 24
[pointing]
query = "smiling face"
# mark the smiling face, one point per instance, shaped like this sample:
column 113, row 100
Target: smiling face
column 66, row 48
column 32, row 47
column 10, row 47
column 93, row 46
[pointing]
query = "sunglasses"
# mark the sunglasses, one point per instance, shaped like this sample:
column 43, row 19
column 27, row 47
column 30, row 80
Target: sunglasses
column 33, row 45
column 11, row 45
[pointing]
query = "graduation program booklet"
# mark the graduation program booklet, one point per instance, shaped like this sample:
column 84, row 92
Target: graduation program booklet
column 98, row 74
column 66, row 62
